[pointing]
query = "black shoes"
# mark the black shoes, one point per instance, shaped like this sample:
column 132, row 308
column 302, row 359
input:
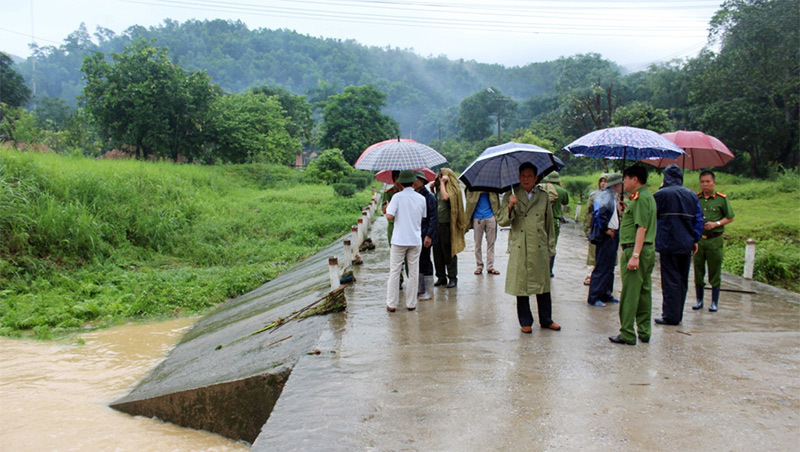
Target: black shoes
column 646, row 341
column 440, row 282
column 661, row 321
column 699, row 305
column 451, row 284
column 713, row 307
column 619, row 340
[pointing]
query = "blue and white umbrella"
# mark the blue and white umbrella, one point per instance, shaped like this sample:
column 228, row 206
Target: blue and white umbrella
column 497, row 168
column 399, row 155
column 629, row 143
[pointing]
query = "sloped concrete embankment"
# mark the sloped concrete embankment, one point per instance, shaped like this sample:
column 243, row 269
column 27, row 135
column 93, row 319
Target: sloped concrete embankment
column 227, row 372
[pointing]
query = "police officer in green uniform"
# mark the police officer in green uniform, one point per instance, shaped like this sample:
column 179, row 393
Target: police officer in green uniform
column 563, row 199
column 717, row 212
column 636, row 237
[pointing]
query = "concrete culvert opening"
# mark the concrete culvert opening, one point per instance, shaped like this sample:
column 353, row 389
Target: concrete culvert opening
column 237, row 409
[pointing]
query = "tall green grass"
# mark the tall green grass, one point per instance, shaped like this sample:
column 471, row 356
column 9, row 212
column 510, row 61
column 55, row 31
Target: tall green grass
column 765, row 210
column 90, row 243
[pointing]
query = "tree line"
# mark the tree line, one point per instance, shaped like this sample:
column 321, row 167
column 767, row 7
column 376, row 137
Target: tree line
column 226, row 93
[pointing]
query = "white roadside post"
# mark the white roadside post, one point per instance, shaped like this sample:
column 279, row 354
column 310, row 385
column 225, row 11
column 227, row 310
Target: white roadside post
column 348, row 253
column 333, row 271
column 355, row 241
column 578, row 212
column 749, row 258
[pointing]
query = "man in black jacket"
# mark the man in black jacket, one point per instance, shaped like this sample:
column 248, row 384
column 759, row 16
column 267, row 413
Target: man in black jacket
column 430, row 224
column 679, row 227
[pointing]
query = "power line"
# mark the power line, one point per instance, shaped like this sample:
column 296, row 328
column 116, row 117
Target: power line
column 421, row 22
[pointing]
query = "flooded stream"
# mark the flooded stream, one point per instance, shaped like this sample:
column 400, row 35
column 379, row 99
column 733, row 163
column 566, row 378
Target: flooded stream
column 54, row 396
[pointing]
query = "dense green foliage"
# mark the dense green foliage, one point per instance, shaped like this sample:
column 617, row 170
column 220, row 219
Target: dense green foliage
column 146, row 102
column 745, row 93
column 352, row 121
column 237, row 58
column 88, row 243
column 13, row 91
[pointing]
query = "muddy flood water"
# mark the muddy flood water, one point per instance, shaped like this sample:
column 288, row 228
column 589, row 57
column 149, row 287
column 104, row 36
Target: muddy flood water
column 54, row 396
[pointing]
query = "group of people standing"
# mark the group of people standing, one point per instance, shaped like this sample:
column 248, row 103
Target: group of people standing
column 531, row 211
column 422, row 221
column 675, row 222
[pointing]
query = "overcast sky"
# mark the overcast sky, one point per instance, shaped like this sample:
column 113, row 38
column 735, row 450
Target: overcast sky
column 632, row 33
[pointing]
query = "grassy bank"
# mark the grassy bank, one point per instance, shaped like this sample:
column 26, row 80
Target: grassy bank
column 765, row 210
column 91, row 243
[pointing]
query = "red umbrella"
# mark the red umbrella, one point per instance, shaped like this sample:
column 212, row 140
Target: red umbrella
column 385, row 176
column 702, row 151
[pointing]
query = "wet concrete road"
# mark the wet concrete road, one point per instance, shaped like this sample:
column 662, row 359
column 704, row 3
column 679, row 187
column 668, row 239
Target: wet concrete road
column 457, row 374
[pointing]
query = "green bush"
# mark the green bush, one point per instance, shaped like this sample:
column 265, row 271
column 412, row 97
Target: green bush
column 329, row 167
column 346, row 190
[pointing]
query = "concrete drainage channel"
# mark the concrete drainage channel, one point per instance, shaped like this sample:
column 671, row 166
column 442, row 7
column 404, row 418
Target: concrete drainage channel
column 227, row 373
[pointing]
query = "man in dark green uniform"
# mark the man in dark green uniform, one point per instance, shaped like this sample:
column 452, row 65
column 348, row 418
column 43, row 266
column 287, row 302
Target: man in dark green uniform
column 563, row 199
column 717, row 212
column 636, row 236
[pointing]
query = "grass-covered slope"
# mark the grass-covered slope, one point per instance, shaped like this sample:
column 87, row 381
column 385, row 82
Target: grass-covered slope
column 89, row 243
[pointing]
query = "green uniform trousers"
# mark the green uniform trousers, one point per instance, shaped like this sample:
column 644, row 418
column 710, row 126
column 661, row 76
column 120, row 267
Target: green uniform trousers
column 636, row 300
column 709, row 251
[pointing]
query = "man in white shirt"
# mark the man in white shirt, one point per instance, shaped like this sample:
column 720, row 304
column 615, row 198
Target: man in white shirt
column 406, row 209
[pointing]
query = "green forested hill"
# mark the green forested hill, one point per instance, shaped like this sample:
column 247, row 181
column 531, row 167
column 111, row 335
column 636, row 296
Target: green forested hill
column 238, row 58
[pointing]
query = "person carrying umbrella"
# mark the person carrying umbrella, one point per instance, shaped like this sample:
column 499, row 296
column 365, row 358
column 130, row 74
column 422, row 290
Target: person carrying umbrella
column 452, row 225
column 717, row 212
column 407, row 209
column 636, row 236
column 528, row 211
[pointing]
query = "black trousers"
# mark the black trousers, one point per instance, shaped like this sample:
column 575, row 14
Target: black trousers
column 446, row 265
column 425, row 264
column 674, row 283
column 544, row 304
column 602, row 284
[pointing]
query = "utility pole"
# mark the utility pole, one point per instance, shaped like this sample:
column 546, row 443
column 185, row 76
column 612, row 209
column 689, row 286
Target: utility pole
column 498, row 119
column 498, row 99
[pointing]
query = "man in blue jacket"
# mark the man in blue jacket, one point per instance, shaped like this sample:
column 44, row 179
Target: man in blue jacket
column 604, row 234
column 679, row 227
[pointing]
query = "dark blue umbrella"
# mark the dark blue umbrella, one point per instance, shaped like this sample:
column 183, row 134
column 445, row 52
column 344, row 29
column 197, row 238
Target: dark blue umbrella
column 630, row 143
column 497, row 168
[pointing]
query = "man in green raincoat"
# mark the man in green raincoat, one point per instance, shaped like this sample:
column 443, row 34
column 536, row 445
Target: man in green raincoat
column 532, row 241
